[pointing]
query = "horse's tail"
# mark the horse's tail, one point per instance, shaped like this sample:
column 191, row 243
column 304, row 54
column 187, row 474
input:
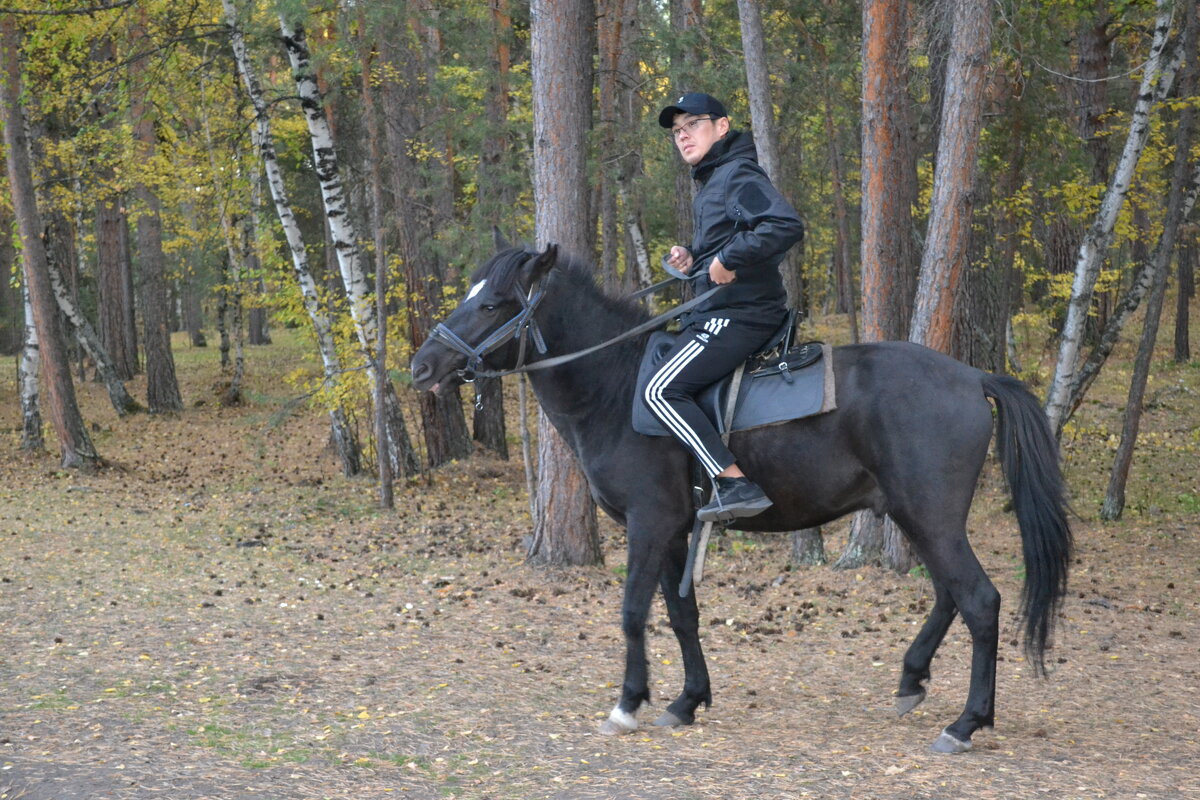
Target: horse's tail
column 1028, row 452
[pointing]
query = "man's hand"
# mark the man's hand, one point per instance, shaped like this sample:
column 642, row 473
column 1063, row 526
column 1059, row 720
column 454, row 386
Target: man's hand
column 718, row 273
column 680, row 258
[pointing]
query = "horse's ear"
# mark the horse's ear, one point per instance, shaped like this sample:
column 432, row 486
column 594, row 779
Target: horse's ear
column 499, row 239
column 543, row 262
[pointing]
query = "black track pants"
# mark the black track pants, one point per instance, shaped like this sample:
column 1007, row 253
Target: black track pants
column 708, row 349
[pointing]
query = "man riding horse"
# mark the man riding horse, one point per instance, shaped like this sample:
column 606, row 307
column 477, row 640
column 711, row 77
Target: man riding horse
column 743, row 228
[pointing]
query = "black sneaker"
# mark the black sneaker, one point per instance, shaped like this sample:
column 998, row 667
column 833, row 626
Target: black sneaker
column 735, row 498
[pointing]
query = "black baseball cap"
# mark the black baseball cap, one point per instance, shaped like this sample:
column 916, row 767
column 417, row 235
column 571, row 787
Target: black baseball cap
column 691, row 103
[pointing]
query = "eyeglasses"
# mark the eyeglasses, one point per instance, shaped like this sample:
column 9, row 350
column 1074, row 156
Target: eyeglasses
column 688, row 127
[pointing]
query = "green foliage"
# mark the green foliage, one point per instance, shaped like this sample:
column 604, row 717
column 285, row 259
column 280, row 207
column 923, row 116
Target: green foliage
column 1037, row 184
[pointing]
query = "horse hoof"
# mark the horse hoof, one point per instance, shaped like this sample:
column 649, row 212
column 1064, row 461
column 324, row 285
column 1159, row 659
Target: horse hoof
column 949, row 745
column 618, row 723
column 906, row 703
column 669, row 720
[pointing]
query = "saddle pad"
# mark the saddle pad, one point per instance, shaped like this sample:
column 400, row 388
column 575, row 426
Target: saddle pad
column 798, row 384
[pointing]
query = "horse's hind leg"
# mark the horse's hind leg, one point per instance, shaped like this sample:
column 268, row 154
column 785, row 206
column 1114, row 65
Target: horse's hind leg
column 685, row 621
column 953, row 565
column 920, row 653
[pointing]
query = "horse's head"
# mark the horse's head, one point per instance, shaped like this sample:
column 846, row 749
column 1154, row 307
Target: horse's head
column 490, row 326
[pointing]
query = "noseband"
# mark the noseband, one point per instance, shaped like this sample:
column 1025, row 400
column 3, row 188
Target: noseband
column 518, row 327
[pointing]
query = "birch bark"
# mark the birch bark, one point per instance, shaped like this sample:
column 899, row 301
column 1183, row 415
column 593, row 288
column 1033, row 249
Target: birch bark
column 1160, row 259
column 1158, row 75
column 31, row 410
column 345, row 238
column 90, row 342
column 344, row 439
column 1178, row 206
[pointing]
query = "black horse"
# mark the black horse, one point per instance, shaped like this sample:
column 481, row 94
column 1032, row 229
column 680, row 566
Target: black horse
column 908, row 438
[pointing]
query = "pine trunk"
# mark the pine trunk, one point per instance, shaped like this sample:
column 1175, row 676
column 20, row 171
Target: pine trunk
column 1186, row 290
column 383, row 455
column 888, row 175
column 888, row 191
column 687, row 16
column 112, row 271
column 808, row 548
column 1114, row 498
column 952, row 203
column 496, row 202
column 405, row 98
column 74, row 444
column 1091, row 87
column 162, row 387
column 565, row 529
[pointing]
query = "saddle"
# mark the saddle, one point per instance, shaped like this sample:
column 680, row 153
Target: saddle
column 780, row 382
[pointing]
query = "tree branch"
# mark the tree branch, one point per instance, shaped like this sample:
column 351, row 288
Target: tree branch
column 64, row 12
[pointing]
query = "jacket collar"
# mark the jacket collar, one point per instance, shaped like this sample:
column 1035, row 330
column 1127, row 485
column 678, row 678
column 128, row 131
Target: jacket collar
column 734, row 145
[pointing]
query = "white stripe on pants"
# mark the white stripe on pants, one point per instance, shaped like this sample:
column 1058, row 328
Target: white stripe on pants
column 654, row 399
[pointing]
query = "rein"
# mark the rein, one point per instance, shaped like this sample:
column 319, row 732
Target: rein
column 523, row 323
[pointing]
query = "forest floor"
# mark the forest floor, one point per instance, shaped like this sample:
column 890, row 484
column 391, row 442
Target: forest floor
column 220, row 614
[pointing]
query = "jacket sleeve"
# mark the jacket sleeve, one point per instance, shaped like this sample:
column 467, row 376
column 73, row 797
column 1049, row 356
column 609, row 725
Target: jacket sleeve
column 766, row 224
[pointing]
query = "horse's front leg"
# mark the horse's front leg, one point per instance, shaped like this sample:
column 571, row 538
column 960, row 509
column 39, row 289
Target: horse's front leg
column 645, row 560
column 685, row 621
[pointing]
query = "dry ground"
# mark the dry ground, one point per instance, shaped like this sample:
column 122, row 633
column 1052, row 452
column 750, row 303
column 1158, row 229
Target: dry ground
column 221, row 615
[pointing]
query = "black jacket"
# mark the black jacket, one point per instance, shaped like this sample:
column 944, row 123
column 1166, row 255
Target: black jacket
column 741, row 216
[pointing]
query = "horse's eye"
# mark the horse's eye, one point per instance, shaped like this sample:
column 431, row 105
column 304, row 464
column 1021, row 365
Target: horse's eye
column 489, row 308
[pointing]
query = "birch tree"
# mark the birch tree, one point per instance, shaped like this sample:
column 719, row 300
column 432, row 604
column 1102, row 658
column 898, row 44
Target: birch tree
column 27, row 378
column 345, row 442
column 1178, row 205
column 1143, row 282
column 345, row 238
column 85, row 334
column 1157, row 76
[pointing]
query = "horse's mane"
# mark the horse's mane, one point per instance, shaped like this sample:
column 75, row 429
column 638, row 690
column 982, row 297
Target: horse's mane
column 583, row 306
column 502, row 270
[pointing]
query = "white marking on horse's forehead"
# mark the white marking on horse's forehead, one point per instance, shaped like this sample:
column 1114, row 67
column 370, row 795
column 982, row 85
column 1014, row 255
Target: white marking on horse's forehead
column 477, row 288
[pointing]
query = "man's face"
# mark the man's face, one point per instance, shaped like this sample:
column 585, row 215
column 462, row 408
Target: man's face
column 695, row 134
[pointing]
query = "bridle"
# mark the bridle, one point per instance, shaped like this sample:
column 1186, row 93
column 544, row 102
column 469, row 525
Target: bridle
column 524, row 325
column 518, row 327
